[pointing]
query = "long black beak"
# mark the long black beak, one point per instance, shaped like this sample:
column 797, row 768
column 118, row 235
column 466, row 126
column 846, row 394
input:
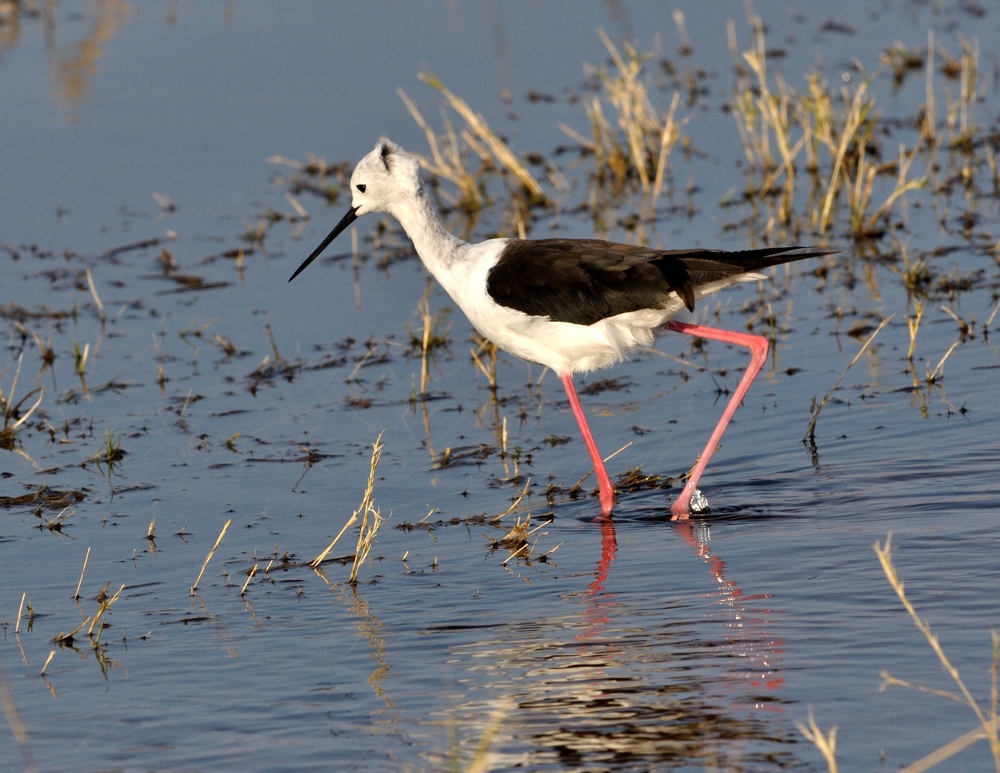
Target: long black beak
column 350, row 217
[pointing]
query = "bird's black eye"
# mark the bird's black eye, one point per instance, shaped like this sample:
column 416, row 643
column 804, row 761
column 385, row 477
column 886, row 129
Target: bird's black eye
column 360, row 187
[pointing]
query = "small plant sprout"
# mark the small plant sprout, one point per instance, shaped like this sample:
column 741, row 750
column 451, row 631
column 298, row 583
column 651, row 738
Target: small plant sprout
column 105, row 606
column 111, row 453
column 450, row 163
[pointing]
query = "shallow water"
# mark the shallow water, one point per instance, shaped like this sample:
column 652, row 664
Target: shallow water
column 632, row 645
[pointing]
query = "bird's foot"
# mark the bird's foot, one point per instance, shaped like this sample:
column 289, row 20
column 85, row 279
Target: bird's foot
column 699, row 502
column 607, row 505
column 687, row 504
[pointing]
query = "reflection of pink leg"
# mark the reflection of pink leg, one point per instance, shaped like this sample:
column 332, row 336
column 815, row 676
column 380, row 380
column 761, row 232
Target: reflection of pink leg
column 603, row 481
column 758, row 347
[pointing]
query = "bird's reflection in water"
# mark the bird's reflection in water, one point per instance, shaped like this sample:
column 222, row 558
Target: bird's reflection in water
column 638, row 678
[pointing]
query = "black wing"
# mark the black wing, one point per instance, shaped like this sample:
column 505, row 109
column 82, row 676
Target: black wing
column 586, row 280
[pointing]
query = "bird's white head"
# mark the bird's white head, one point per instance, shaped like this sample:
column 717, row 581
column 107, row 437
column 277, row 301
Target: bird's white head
column 382, row 180
column 385, row 176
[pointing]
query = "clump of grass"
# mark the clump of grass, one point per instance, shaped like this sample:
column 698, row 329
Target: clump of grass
column 111, row 453
column 371, row 519
column 450, row 153
column 837, row 133
column 105, row 606
column 649, row 139
column 13, row 418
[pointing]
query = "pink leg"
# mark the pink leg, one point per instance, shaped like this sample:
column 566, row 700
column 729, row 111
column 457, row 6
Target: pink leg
column 603, row 481
column 758, row 347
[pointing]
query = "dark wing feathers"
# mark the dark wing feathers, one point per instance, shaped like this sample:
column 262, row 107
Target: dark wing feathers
column 586, row 280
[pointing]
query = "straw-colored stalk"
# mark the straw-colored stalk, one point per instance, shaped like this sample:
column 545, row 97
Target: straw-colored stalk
column 12, row 417
column 86, row 558
column 250, row 575
column 913, row 323
column 20, row 610
column 481, row 760
column 649, row 139
column 816, row 407
column 366, row 506
column 478, row 125
column 988, row 720
column 489, row 349
column 450, row 162
column 825, row 742
column 194, row 588
column 933, row 376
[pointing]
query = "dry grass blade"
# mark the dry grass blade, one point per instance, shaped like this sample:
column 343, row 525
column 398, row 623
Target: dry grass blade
column 988, row 722
column 815, row 408
column 913, row 323
column 858, row 109
column 481, row 129
column 450, row 163
column 96, row 297
column 86, row 558
column 12, row 417
column 364, row 507
column 194, row 588
column 992, row 316
column 250, row 574
column 948, row 750
column 48, row 660
column 371, row 518
column 20, row 609
column 935, row 375
column 521, row 495
column 825, row 742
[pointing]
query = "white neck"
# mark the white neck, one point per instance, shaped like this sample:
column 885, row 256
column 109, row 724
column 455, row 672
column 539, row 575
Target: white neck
column 437, row 248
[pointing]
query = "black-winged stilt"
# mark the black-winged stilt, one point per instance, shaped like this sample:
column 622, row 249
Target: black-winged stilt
column 572, row 305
